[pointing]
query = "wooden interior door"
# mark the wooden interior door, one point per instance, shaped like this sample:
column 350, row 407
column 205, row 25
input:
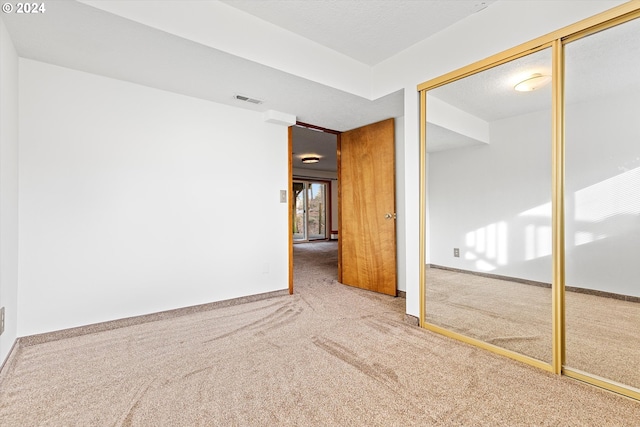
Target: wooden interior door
column 367, row 235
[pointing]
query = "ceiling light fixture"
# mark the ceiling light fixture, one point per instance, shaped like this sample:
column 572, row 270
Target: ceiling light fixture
column 307, row 160
column 533, row 82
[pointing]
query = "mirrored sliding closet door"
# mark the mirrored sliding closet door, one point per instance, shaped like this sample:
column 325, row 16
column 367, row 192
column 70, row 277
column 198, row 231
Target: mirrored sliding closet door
column 489, row 225
column 602, row 204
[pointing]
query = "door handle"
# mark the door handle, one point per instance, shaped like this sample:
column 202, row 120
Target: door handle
column 390, row 216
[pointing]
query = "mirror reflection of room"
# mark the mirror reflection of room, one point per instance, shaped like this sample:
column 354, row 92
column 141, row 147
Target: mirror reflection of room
column 602, row 203
column 489, row 206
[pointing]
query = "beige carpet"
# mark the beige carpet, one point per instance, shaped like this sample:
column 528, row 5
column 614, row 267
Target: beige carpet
column 328, row 356
column 603, row 334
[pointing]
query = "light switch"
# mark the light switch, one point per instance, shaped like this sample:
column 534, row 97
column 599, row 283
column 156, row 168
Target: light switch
column 283, row 196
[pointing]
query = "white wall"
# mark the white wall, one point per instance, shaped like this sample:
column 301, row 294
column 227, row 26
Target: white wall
column 494, row 29
column 132, row 200
column 603, row 194
column 493, row 201
column 8, row 189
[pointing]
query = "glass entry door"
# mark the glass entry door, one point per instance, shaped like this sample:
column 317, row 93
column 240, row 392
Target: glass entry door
column 309, row 211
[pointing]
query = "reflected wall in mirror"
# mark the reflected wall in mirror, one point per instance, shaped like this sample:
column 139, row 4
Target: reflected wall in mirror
column 489, row 207
column 602, row 231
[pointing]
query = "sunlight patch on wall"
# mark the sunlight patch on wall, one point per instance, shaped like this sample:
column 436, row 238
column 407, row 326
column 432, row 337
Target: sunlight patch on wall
column 542, row 211
column 584, row 237
column 488, row 246
column 537, row 240
column 618, row 195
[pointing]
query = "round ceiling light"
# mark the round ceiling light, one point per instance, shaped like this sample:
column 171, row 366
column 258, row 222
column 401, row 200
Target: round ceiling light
column 533, row 82
column 308, row 160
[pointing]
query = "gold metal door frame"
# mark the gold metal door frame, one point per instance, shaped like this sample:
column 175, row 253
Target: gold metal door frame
column 556, row 40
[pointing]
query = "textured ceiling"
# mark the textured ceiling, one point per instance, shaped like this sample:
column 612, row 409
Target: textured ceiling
column 490, row 96
column 604, row 64
column 81, row 37
column 369, row 31
column 84, row 38
column 308, row 142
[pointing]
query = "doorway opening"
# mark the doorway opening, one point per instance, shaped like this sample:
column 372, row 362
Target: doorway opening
column 364, row 161
column 313, row 189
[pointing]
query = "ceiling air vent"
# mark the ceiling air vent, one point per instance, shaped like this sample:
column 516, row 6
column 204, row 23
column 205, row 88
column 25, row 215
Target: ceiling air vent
column 247, row 99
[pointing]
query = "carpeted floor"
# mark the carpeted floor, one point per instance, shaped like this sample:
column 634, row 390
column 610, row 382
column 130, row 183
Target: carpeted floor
column 603, row 334
column 330, row 355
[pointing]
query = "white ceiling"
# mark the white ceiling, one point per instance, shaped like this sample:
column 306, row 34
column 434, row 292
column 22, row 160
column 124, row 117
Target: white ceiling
column 82, row 37
column 490, row 96
column 313, row 143
column 369, row 31
column 614, row 53
column 78, row 36
column 603, row 64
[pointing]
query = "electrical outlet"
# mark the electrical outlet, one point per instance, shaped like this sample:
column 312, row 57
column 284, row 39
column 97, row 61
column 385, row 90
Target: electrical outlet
column 1, row 320
column 456, row 252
